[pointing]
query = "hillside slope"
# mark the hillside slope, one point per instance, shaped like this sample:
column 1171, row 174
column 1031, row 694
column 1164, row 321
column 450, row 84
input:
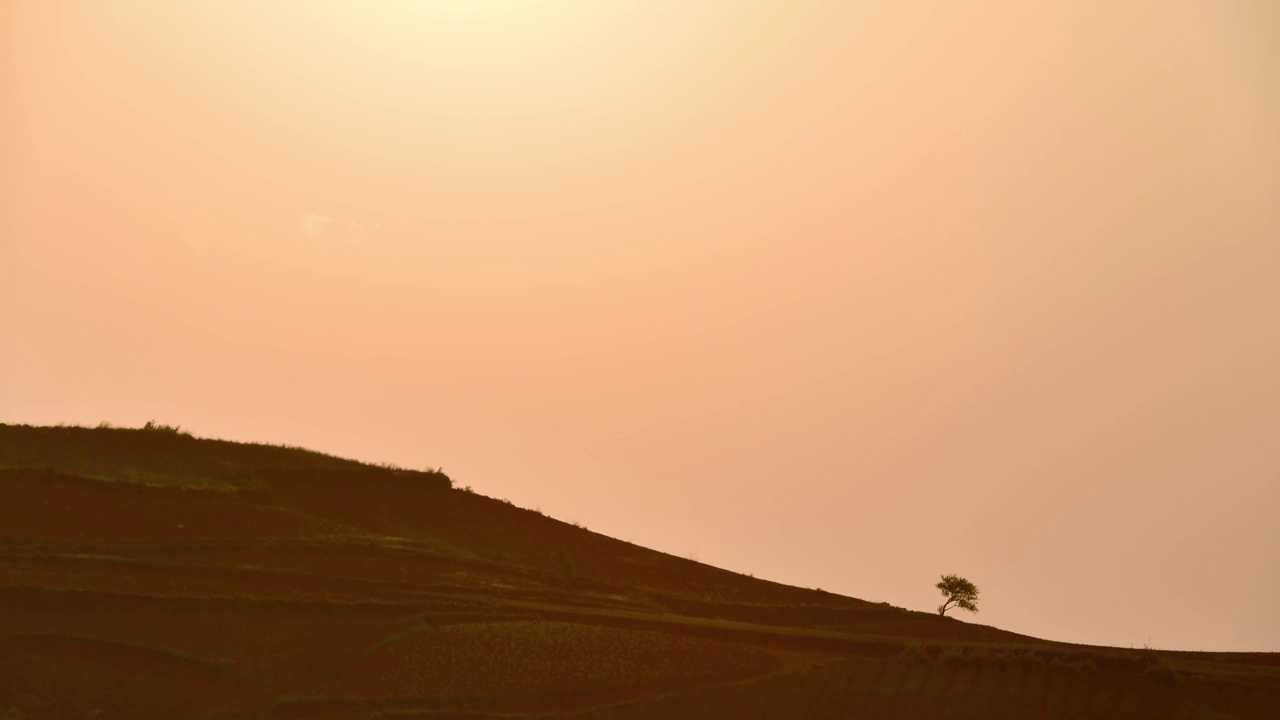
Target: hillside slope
column 147, row 573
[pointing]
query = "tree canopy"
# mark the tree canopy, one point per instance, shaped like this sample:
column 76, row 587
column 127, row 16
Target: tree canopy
column 958, row 592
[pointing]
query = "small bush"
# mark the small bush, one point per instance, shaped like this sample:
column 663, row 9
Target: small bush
column 153, row 426
column 1084, row 664
column 1162, row 670
column 439, row 472
column 566, row 565
column 1031, row 657
column 914, row 652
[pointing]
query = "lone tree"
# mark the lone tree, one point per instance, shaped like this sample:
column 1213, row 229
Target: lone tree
column 959, row 593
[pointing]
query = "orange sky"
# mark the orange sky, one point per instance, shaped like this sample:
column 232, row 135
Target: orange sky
column 844, row 295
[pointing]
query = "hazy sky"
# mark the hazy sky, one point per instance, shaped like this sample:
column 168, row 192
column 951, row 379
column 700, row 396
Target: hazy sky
column 845, row 294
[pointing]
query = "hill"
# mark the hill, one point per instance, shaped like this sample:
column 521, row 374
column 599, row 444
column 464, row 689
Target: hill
column 148, row 573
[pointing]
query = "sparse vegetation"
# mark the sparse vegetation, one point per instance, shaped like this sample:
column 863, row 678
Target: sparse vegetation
column 166, row 456
column 314, row 700
column 220, row 665
column 153, row 426
column 354, row 590
column 1077, row 664
column 914, row 652
column 511, row 657
column 1159, row 668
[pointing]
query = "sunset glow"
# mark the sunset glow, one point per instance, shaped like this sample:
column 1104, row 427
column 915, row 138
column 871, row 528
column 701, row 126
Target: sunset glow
column 841, row 294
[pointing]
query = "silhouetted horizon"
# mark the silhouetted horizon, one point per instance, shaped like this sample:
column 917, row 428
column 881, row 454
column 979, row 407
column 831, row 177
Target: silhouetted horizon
column 842, row 295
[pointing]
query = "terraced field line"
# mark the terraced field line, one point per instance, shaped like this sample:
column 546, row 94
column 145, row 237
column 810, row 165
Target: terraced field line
column 872, row 690
column 936, row 686
column 1033, row 693
column 823, row 685
column 1128, row 703
column 987, row 684
column 1060, row 693
column 910, row 692
column 1077, row 695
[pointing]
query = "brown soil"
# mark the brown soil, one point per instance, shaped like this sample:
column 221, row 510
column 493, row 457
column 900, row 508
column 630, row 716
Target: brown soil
column 363, row 594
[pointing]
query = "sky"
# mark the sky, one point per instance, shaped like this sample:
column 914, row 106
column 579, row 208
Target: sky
column 844, row 295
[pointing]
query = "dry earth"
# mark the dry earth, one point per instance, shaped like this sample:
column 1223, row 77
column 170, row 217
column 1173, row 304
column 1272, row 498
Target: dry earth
column 150, row 574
